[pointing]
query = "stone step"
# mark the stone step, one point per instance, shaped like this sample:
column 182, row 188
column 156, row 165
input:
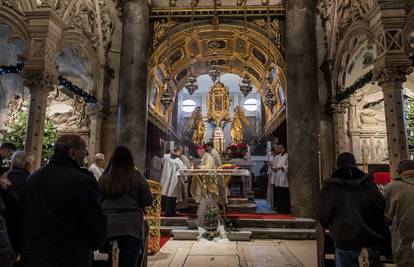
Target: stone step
column 245, row 207
column 187, row 234
column 184, row 233
column 297, row 223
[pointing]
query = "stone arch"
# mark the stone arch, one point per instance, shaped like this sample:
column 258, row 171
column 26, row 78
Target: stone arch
column 340, row 60
column 230, row 36
column 88, row 53
column 17, row 23
column 409, row 27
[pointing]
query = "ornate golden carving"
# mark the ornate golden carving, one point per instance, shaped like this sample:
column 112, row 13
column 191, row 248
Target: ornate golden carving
column 218, row 104
column 153, row 218
column 161, row 27
column 239, row 121
column 274, row 29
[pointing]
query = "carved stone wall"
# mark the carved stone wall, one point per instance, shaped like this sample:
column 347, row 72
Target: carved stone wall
column 88, row 28
column 367, row 128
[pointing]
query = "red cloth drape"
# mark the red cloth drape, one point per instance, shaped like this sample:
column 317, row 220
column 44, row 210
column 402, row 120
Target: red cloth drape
column 382, row 177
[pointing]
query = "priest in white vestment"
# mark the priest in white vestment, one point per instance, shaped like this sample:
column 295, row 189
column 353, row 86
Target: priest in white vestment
column 171, row 181
column 281, row 183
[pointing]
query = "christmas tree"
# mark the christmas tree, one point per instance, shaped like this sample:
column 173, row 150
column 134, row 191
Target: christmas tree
column 17, row 133
column 409, row 119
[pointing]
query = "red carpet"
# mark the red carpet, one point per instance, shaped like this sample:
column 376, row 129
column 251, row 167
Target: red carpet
column 164, row 240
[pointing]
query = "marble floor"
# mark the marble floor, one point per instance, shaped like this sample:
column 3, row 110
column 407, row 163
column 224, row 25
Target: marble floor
column 263, row 253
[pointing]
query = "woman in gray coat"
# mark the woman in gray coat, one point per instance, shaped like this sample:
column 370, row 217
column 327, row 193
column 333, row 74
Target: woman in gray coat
column 125, row 195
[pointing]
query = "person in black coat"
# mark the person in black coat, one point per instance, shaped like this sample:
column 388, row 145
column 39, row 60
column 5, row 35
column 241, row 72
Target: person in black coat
column 61, row 221
column 352, row 208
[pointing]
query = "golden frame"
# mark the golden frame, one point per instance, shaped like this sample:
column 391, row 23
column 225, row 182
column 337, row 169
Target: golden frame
column 218, row 112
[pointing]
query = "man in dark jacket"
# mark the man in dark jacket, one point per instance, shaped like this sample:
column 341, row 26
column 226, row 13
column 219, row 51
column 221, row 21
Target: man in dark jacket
column 60, row 217
column 352, row 208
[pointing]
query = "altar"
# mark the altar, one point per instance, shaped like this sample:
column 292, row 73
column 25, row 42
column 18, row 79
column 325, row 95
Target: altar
column 244, row 172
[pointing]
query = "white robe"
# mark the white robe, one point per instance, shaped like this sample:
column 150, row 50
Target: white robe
column 281, row 179
column 97, row 171
column 272, row 177
column 170, row 179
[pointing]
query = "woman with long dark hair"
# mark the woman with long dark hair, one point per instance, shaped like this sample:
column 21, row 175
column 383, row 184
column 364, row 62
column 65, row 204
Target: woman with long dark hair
column 125, row 195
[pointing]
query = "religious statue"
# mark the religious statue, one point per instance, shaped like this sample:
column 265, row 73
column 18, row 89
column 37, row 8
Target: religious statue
column 13, row 108
column 239, row 121
column 199, row 135
column 365, row 149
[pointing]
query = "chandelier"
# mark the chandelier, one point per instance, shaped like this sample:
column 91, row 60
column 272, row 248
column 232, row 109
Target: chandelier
column 192, row 84
column 214, row 72
column 246, row 83
column 167, row 96
column 270, row 94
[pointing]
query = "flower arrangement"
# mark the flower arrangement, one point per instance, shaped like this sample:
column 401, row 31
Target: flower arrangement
column 211, row 218
column 210, row 235
column 237, row 150
column 232, row 226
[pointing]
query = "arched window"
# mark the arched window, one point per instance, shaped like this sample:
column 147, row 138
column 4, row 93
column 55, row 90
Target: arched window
column 250, row 104
column 189, row 105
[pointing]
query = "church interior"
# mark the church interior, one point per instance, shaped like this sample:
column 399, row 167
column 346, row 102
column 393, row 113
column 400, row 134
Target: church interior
column 318, row 77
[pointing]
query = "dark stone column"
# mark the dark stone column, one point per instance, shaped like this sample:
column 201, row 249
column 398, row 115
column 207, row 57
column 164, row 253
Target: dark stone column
column 132, row 94
column 302, row 107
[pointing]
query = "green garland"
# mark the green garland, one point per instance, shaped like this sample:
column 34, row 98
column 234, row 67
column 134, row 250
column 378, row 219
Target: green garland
column 349, row 91
column 62, row 81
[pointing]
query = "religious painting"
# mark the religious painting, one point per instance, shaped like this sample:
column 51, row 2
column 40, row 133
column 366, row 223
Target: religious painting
column 154, row 94
column 218, row 104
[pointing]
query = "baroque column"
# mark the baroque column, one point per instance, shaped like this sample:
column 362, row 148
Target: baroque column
column 132, row 93
column 40, row 73
column 302, row 107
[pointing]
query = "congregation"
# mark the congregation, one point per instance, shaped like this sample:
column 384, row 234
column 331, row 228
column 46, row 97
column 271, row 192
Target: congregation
column 59, row 214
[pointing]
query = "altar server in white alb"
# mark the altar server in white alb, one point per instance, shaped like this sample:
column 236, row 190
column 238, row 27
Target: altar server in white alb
column 281, row 183
column 171, row 181
column 272, row 164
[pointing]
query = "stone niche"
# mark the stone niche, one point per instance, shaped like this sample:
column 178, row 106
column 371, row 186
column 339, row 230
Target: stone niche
column 11, row 85
column 366, row 126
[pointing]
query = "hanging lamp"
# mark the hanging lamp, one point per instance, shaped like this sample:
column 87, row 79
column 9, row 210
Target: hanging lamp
column 246, row 83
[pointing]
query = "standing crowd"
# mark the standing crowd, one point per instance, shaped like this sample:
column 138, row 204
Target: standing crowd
column 59, row 214
column 359, row 217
